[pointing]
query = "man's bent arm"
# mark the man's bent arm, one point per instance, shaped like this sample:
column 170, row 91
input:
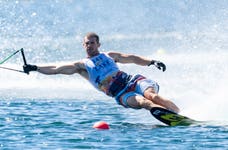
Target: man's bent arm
column 129, row 58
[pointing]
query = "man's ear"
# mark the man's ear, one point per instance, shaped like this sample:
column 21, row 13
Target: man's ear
column 83, row 44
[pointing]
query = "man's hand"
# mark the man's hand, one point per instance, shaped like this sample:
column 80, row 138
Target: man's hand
column 27, row 68
column 158, row 64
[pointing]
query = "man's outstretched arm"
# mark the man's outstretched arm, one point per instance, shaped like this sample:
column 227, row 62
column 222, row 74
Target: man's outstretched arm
column 67, row 69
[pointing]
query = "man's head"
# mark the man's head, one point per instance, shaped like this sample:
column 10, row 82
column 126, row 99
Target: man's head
column 91, row 44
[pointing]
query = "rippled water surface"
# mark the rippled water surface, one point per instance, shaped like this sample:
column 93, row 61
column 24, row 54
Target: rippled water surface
column 66, row 124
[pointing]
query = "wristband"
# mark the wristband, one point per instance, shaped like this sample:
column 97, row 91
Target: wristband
column 152, row 62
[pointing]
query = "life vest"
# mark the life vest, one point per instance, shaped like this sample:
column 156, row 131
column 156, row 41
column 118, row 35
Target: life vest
column 99, row 68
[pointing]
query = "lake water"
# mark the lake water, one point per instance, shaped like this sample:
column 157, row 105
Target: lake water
column 58, row 112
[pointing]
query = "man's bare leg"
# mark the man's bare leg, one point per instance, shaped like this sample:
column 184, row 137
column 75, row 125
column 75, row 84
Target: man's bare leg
column 156, row 99
column 138, row 102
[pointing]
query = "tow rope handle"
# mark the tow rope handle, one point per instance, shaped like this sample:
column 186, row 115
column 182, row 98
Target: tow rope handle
column 24, row 59
column 23, row 56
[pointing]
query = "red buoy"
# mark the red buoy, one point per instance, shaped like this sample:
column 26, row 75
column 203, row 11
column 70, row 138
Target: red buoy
column 101, row 125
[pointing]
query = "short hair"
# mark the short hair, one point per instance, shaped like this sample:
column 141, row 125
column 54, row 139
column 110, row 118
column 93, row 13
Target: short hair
column 92, row 34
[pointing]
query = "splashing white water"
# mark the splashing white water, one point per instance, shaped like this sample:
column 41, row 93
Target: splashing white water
column 189, row 36
column 197, row 85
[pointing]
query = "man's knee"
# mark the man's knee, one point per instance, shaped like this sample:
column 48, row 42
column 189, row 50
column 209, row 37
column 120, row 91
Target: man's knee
column 155, row 97
column 149, row 93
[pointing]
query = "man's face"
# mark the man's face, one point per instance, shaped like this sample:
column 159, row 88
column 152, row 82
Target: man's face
column 91, row 46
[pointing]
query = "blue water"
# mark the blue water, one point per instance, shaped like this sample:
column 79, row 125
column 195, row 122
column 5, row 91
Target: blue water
column 66, row 124
column 58, row 112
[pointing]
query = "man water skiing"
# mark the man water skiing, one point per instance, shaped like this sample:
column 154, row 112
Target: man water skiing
column 101, row 70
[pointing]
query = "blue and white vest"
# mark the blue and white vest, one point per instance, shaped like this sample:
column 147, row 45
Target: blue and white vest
column 99, row 68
